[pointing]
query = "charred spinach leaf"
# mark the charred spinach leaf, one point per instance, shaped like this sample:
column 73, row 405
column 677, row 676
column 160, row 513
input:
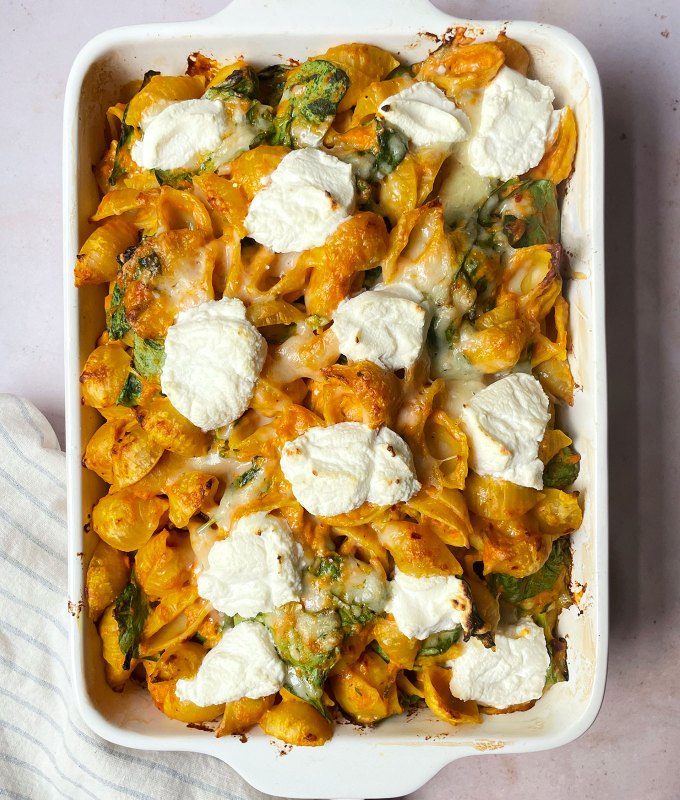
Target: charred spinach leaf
column 150, row 264
column 516, row 590
column 372, row 277
column 130, row 612
column 149, row 356
column 272, row 81
column 150, row 73
column 563, row 469
column 131, row 391
column 308, row 104
column 240, row 83
column 177, row 178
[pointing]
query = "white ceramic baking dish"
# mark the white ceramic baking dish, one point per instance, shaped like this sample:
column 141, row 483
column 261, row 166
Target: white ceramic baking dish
column 401, row 754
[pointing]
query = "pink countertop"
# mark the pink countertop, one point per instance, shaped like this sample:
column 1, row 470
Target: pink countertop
column 631, row 750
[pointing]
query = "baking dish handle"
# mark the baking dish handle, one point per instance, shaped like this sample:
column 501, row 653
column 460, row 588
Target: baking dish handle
column 301, row 16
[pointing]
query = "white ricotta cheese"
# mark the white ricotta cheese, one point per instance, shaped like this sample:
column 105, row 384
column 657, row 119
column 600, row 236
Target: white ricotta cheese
column 426, row 115
column 423, row 606
column 511, row 674
column 180, row 135
column 213, row 357
column 257, row 568
column 335, row 469
column 505, row 423
column 244, row 663
column 386, row 326
column 516, row 122
column 309, row 195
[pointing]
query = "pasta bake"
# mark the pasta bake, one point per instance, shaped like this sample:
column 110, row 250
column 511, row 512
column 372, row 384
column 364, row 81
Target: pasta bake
column 336, row 347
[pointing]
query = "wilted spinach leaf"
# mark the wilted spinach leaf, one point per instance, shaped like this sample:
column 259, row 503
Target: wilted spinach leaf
column 543, row 224
column 392, row 147
column 131, row 391
column 330, row 566
column 130, row 612
column 118, row 170
column 245, row 477
column 117, row 325
column 563, row 469
column 439, row 643
column 240, row 83
column 526, row 211
column 309, row 103
column 352, row 614
column 149, row 264
column 516, row 590
column 272, row 81
column 177, row 178
column 375, row 646
column 558, row 670
column 149, row 356
column 151, row 73
column 307, row 683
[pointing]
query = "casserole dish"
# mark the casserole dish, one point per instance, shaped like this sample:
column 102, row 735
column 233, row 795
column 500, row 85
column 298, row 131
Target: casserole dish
column 399, row 755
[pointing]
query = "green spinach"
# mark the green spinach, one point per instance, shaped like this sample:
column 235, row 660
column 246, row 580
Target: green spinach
column 177, row 178
column 307, row 683
column 328, row 566
column 118, row 324
column 246, row 477
column 392, row 147
column 149, row 355
column 240, row 83
column 525, row 211
column 148, row 266
column 309, row 103
column 130, row 612
column 439, row 643
column 517, row 590
column 272, row 81
column 563, row 469
column 131, row 391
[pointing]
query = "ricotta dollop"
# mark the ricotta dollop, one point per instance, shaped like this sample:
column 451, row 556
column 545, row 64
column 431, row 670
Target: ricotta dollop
column 257, row 568
column 180, row 135
column 516, row 122
column 213, row 358
column 335, row 469
column 423, row 606
column 426, row 115
column 505, row 423
column 511, row 674
column 386, row 325
column 244, row 663
column 309, row 195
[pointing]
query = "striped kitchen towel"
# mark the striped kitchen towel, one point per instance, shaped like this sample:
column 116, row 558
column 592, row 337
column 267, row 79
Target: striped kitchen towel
column 46, row 751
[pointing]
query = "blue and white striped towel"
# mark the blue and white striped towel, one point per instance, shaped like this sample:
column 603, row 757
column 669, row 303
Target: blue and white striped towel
column 46, row 752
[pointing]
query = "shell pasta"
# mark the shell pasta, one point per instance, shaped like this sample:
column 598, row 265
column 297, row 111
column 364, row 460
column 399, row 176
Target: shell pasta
column 330, row 381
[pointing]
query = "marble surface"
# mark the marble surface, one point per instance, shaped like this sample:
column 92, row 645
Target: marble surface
column 630, row 752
